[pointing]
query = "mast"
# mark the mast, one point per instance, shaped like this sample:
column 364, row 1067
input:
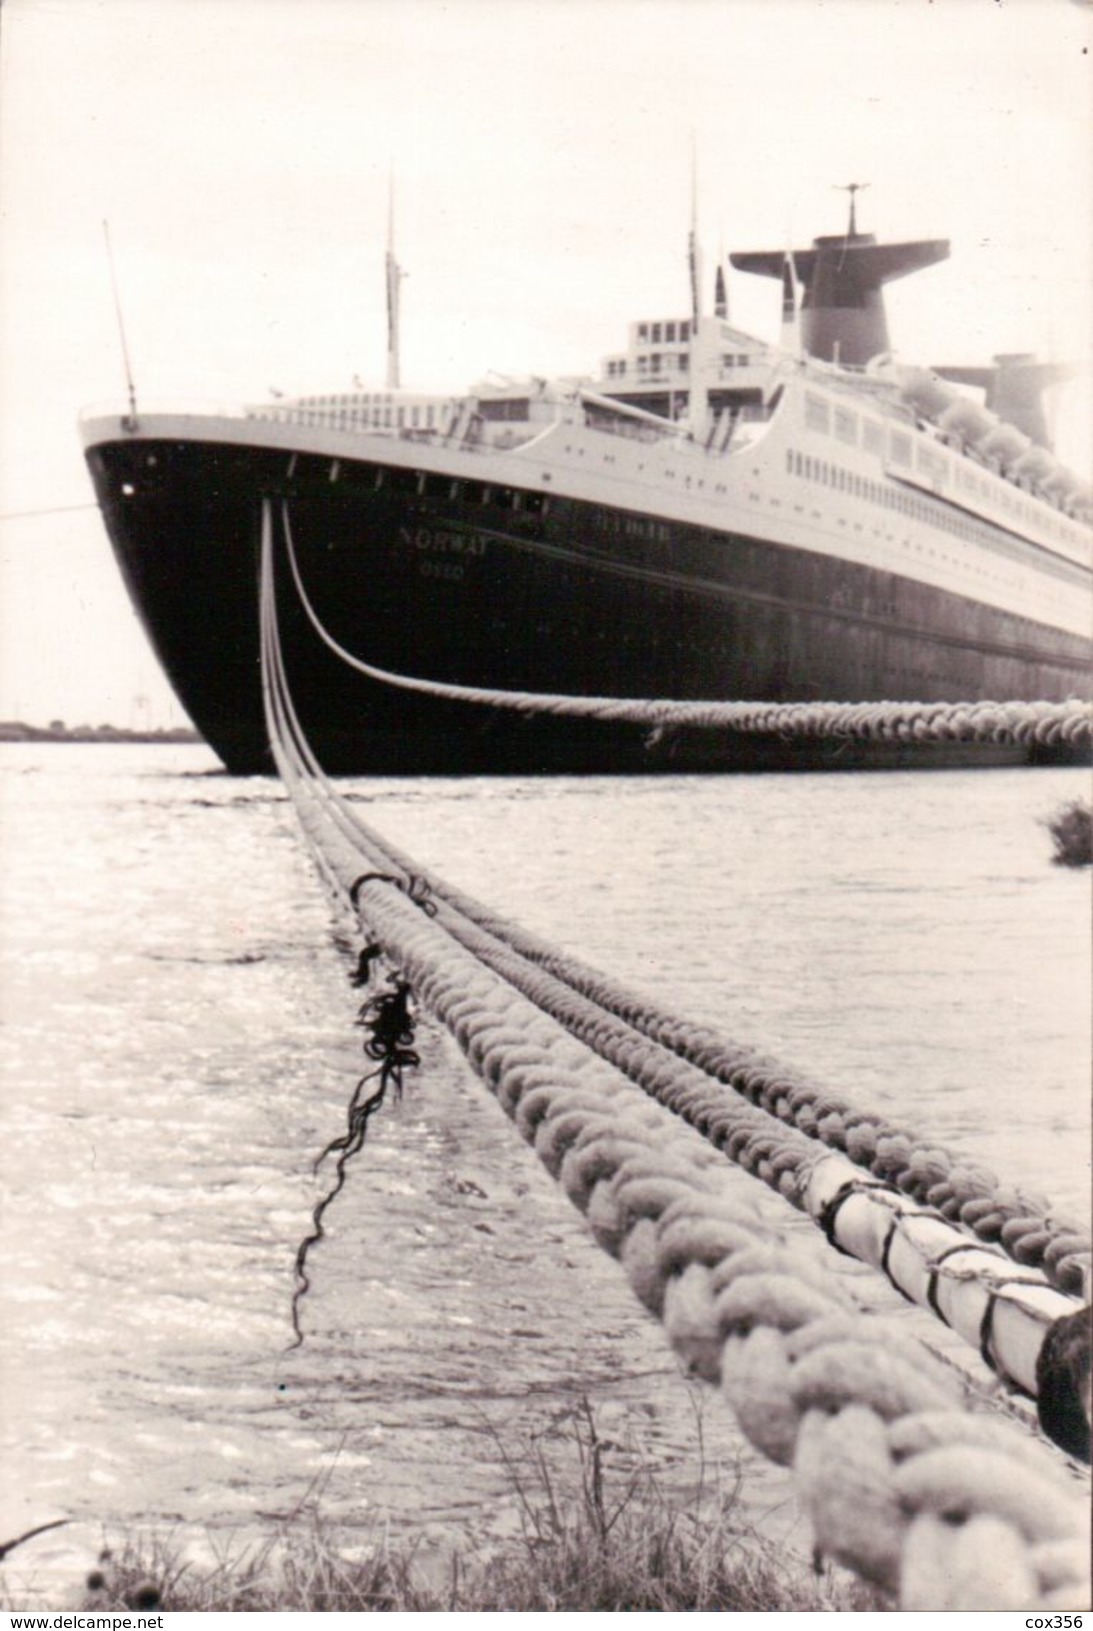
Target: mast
column 131, row 423
column 693, row 251
column 394, row 278
column 697, row 391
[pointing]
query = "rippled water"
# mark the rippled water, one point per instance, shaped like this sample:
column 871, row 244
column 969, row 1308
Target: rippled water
column 178, row 1045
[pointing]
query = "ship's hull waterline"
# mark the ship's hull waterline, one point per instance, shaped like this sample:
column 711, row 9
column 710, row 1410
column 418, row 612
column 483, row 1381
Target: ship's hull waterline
column 489, row 586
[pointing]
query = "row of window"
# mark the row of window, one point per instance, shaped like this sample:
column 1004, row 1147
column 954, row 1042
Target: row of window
column 647, row 366
column 846, row 481
column 356, row 400
column 668, row 333
column 404, row 416
column 655, row 363
column 893, row 498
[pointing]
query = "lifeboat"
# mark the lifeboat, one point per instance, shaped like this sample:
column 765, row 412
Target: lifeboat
column 925, row 392
column 1060, row 484
column 1005, row 443
column 1034, row 466
column 967, row 419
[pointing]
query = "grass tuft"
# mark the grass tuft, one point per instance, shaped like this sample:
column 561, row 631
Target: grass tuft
column 597, row 1533
column 1071, row 829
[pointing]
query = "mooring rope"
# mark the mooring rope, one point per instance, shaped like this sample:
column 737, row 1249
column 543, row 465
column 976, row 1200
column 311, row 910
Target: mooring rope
column 894, row 1219
column 948, row 1509
column 927, row 1272
column 1026, row 1227
column 1067, row 723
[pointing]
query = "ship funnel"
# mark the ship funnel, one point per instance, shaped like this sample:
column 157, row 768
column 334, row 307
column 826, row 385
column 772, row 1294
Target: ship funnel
column 842, row 315
column 1014, row 384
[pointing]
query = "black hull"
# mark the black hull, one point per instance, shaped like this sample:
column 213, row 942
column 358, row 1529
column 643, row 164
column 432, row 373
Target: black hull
column 493, row 587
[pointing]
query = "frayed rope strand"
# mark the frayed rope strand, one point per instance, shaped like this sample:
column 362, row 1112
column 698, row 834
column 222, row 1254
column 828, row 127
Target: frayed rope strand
column 388, row 1019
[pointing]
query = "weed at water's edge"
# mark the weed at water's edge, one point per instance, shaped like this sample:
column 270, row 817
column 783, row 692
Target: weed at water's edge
column 599, row 1533
column 1071, row 829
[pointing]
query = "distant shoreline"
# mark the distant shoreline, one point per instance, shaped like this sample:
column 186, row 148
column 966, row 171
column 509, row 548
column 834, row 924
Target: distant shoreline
column 16, row 731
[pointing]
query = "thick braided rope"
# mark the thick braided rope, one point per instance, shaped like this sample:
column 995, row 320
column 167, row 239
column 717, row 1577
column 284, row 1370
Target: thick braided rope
column 899, row 1481
column 769, row 1149
column 961, row 1287
column 1026, row 1227
column 1067, row 723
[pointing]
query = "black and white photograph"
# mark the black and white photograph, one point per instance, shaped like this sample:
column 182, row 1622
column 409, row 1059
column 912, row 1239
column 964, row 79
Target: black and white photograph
column 546, row 823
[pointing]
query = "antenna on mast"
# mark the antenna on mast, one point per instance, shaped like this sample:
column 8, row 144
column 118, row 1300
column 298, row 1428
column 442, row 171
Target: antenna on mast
column 852, row 187
column 131, row 422
column 395, row 274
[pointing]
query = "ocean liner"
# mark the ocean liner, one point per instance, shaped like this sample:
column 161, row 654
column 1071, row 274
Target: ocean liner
column 712, row 517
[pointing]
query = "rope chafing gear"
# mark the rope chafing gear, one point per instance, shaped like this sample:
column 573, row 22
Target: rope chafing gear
column 1042, row 723
column 900, row 1481
column 965, row 1284
column 1063, row 1382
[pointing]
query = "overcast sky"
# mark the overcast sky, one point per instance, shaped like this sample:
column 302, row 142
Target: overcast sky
column 240, row 150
